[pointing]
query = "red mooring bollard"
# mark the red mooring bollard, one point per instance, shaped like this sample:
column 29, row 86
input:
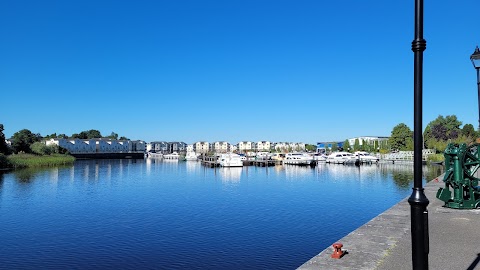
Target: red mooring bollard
column 337, row 251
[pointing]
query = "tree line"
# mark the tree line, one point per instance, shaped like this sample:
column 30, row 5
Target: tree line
column 437, row 134
column 28, row 142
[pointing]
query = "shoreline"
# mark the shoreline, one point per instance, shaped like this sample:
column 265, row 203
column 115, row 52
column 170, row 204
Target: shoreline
column 372, row 243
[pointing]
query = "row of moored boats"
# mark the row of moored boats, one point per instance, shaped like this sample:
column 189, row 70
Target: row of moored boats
column 297, row 158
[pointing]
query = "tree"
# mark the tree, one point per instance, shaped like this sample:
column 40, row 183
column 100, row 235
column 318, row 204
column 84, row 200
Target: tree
column 468, row 131
column 310, row 147
column 375, row 146
column 334, row 147
column 443, row 128
column 51, row 136
column 40, row 149
column 22, row 140
column 3, row 144
column 113, row 136
column 401, row 138
column 346, row 146
column 356, row 145
column 88, row 134
column 123, row 138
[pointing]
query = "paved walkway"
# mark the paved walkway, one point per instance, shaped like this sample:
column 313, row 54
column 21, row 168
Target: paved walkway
column 384, row 243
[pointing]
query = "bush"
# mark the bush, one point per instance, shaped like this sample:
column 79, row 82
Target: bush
column 436, row 157
column 40, row 149
column 4, row 163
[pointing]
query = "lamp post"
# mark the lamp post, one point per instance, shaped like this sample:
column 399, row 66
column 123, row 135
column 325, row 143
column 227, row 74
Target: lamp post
column 475, row 58
column 418, row 201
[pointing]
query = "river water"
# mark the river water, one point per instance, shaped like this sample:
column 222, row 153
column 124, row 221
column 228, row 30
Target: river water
column 152, row 214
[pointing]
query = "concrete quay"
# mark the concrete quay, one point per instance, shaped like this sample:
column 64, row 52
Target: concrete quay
column 384, row 243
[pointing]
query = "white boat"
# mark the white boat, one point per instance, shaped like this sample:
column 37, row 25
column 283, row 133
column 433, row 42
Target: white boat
column 191, row 156
column 341, row 158
column 154, row 155
column 298, row 159
column 278, row 156
column 172, row 156
column 230, row 160
column 365, row 157
column 320, row 157
column 263, row 156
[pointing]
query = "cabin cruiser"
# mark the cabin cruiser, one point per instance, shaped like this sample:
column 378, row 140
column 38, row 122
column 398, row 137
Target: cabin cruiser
column 172, row 156
column 191, row 156
column 341, row 158
column 230, row 160
column 319, row 157
column 365, row 157
column 263, row 156
column 298, row 159
column 154, row 155
column 278, row 156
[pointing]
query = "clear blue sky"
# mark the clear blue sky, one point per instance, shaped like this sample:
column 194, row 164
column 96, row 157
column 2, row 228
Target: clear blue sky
column 231, row 70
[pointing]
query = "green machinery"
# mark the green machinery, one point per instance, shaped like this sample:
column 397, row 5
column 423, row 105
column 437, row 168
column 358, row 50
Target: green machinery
column 461, row 165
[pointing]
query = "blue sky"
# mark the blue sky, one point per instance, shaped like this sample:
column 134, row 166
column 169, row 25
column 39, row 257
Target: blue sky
column 231, row 70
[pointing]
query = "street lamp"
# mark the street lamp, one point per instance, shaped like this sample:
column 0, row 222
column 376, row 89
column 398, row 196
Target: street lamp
column 418, row 201
column 475, row 57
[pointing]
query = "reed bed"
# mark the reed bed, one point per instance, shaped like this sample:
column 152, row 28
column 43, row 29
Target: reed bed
column 29, row 160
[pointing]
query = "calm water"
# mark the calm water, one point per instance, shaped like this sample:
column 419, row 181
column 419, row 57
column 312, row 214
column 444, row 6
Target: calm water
column 147, row 214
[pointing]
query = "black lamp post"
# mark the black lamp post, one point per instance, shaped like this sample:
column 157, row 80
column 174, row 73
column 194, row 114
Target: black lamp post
column 475, row 57
column 418, row 201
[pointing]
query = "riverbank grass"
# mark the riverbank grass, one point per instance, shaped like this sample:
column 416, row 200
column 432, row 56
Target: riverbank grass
column 29, row 160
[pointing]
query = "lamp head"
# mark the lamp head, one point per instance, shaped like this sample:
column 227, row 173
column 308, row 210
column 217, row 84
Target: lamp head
column 475, row 58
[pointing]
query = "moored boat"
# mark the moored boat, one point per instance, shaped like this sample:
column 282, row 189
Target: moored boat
column 172, row 156
column 154, row 155
column 191, row 156
column 363, row 156
column 341, row 158
column 298, row 159
column 230, row 160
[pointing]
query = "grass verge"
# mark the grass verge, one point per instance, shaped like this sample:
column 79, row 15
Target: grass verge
column 29, row 160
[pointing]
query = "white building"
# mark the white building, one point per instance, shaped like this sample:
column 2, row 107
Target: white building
column 263, row 146
column 289, row 147
column 221, row 147
column 91, row 146
column 245, row 146
column 201, row 147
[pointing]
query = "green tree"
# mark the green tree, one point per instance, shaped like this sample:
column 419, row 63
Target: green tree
column 123, row 138
column 93, row 133
column 443, row 128
column 401, row 138
column 113, row 136
column 22, row 140
column 88, row 134
column 3, row 144
column 346, row 146
column 334, row 147
column 356, row 145
column 310, row 147
column 376, row 147
column 469, row 131
column 40, row 148
column 51, row 136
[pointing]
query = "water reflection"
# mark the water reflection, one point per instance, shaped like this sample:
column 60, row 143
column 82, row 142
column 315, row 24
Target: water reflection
column 186, row 208
column 192, row 166
column 1, row 180
column 230, row 175
column 27, row 175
